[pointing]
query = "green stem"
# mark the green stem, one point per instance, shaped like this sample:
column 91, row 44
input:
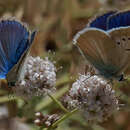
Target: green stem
column 64, row 80
column 58, row 103
column 42, row 128
column 64, row 117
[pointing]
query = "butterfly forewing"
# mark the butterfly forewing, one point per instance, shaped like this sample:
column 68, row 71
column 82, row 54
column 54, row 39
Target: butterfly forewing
column 98, row 45
column 15, row 41
column 13, row 35
column 100, row 50
column 19, row 68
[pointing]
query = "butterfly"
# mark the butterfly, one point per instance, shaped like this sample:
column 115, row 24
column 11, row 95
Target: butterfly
column 15, row 43
column 105, row 43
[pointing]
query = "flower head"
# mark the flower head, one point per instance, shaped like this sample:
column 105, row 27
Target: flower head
column 45, row 120
column 94, row 97
column 39, row 77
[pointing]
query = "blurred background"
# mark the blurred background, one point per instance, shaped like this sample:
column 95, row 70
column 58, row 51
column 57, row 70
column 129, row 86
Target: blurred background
column 57, row 21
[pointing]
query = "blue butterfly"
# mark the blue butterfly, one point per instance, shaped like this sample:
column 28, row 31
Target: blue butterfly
column 15, row 41
column 105, row 43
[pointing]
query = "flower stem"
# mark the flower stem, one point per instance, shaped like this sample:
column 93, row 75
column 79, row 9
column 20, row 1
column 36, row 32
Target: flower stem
column 67, row 115
column 58, row 103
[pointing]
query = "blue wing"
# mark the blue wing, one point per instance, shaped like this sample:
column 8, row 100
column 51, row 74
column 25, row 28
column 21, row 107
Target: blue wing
column 101, row 21
column 121, row 19
column 14, row 40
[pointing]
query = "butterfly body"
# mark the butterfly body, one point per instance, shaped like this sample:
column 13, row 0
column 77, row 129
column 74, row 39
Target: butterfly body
column 106, row 47
column 15, row 42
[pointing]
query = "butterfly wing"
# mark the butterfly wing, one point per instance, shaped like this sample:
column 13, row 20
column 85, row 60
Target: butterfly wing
column 119, row 24
column 22, row 63
column 119, row 19
column 98, row 48
column 101, row 47
column 101, row 21
column 121, row 37
column 17, row 72
column 14, row 41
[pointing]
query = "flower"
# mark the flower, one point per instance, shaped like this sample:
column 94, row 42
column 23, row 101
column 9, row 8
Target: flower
column 93, row 96
column 39, row 77
column 45, row 120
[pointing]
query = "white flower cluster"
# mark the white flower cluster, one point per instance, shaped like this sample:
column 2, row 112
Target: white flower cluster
column 39, row 77
column 94, row 97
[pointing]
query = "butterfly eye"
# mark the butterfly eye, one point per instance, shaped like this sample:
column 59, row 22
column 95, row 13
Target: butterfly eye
column 128, row 38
